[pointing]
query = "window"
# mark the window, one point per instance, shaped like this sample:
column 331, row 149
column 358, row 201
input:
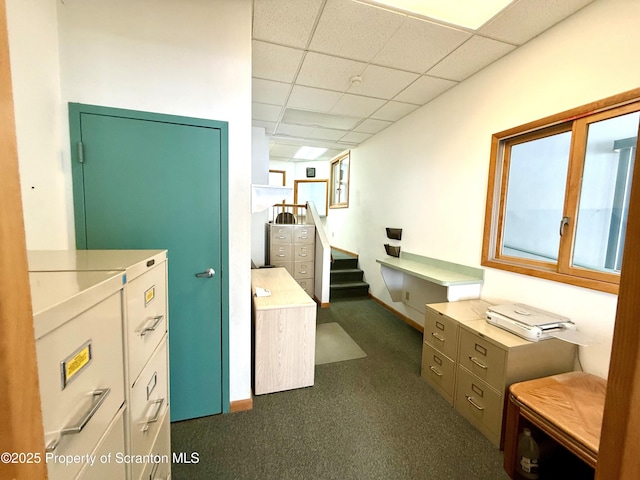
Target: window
column 558, row 194
column 340, row 181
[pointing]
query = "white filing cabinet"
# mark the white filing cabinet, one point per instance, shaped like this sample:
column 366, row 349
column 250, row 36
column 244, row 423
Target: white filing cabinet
column 78, row 333
column 293, row 247
column 144, row 345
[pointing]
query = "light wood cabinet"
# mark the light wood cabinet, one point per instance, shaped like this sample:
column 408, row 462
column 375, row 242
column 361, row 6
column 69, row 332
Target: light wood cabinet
column 284, row 333
column 480, row 362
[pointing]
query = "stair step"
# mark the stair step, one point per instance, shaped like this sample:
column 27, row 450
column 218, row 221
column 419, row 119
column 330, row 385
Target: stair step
column 346, row 275
column 349, row 290
column 344, row 263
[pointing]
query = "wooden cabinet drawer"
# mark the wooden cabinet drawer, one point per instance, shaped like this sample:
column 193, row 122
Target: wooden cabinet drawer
column 482, row 358
column 148, row 403
column 304, row 234
column 80, row 366
column 281, row 234
column 146, row 317
column 441, row 332
column 480, row 404
column 304, row 252
column 280, row 253
column 438, row 370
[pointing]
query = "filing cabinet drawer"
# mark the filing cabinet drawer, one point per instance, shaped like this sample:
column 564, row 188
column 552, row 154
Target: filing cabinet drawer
column 161, row 451
column 303, row 270
column 146, row 316
column 148, row 403
column 280, row 252
column 111, row 444
column 304, row 252
column 438, row 370
column 482, row 358
column 304, row 234
column 281, row 234
column 307, row 285
column 480, row 404
column 441, row 332
column 80, row 370
column 286, row 265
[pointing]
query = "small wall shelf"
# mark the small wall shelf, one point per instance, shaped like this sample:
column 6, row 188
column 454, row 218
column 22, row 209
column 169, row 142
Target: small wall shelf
column 416, row 280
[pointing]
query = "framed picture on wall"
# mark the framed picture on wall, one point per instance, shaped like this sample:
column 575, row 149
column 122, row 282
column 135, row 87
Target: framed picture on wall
column 311, row 172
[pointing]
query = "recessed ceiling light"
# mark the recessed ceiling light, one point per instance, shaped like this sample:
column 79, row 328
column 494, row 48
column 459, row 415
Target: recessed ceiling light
column 309, row 153
column 465, row 13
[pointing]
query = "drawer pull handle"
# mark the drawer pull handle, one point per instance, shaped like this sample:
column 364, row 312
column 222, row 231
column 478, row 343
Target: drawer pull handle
column 282, row 255
column 303, row 254
column 154, row 418
column 475, row 361
column 157, row 319
column 435, row 370
column 99, row 396
column 437, row 337
column 472, row 402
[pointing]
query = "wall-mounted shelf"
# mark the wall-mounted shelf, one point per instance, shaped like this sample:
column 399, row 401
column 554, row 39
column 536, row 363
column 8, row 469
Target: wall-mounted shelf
column 416, row 280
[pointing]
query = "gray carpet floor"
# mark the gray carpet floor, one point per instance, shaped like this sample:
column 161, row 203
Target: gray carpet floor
column 368, row 418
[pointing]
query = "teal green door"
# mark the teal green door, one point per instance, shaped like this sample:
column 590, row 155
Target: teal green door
column 148, row 181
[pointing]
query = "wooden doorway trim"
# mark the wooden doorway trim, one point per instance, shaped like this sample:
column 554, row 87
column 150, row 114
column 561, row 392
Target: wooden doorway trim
column 21, row 418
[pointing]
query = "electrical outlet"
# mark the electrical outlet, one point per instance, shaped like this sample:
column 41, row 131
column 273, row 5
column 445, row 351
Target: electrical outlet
column 406, row 295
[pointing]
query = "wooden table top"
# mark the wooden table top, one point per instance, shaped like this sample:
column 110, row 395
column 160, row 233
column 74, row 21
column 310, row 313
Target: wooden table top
column 573, row 402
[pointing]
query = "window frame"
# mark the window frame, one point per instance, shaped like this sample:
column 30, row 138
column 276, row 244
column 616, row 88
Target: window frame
column 576, row 121
column 333, row 203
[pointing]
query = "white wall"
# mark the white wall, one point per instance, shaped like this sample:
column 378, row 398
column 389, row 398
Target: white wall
column 259, row 176
column 190, row 58
column 428, row 173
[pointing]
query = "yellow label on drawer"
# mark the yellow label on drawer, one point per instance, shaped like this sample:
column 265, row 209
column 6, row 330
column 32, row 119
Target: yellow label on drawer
column 149, row 295
column 75, row 362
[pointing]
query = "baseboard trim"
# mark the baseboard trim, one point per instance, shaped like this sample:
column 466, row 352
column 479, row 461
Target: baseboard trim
column 322, row 305
column 241, row 405
column 406, row 319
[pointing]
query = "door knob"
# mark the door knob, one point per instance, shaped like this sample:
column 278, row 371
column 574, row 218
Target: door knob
column 208, row 273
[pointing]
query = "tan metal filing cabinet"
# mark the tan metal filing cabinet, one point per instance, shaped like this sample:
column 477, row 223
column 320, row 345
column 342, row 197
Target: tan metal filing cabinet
column 440, row 346
column 145, row 326
column 78, row 332
column 490, row 359
column 293, row 247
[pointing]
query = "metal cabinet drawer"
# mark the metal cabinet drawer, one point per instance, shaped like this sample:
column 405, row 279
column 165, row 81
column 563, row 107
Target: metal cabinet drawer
column 480, row 404
column 161, row 453
column 304, row 252
column 438, row 370
column 307, row 285
column 303, row 270
column 280, row 253
column 304, row 234
column 148, row 403
column 482, row 358
column 110, row 445
column 146, row 317
column 281, row 234
column 441, row 332
column 80, row 367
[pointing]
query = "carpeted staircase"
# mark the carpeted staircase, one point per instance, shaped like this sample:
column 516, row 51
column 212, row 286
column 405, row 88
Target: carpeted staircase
column 346, row 278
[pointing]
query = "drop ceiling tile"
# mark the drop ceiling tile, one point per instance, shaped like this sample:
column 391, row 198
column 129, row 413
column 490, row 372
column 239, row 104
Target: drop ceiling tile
column 268, row 91
column 419, row 45
column 355, row 137
column 393, row 111
column 382, row 82
column 424, row 89
column 278, row 22
column 371, row 125
column 261, row 111
column 524, row 20
column 356, row 106
column 474, row 55
column 269, row 127
column 293, row 130
column 353, row 30
column 327, row 134
column 303, row 117
column 308, row 98
column 329, row 73
column 275, row 62
column 281, row 150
